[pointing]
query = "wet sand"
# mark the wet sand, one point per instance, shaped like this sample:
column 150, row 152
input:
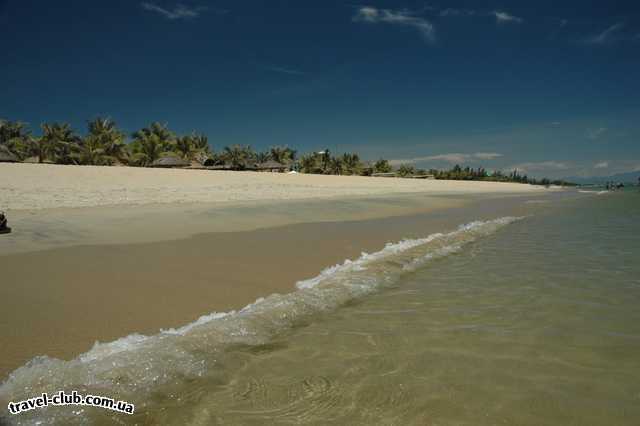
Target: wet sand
column 60, row 301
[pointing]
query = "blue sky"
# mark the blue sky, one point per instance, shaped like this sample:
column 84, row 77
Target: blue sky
column 551, row 88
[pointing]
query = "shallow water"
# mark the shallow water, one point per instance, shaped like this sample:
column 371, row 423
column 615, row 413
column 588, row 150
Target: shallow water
column 530, row 320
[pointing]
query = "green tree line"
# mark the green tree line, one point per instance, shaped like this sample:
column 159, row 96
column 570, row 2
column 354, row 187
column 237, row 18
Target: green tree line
column 105, row 144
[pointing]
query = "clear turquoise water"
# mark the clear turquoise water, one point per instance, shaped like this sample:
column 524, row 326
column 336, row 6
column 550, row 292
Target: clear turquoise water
column 531, row 322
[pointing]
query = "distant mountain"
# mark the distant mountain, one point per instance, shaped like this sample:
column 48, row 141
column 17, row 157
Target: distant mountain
column 630, row 177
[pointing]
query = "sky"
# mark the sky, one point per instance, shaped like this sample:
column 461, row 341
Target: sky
column 551, row 88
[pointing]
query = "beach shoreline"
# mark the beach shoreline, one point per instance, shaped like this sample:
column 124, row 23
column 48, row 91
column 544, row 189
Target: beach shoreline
column 112, row 267
column 44, row 186
column 109, row 290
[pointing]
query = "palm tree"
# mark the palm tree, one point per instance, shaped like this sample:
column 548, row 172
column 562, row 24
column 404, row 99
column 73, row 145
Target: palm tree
column 406, row 170
column 58, row 142
column 148, row 148
column 336, row 166
column 325, row 160
column 150, row 143
column 184, row 147
column 160, row 130
column 262, row 157
column 237, row 156
column 282, row 154
column 352, row 164
column 162, row 134
column 309, row 164
column 15, row 137
column 382, row 166
column 107, row 137
column 92, row 152
column 201, row 143
column 193, row 147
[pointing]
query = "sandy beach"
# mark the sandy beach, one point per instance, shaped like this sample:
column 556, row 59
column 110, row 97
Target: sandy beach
column 40, row 186
column 148, row 249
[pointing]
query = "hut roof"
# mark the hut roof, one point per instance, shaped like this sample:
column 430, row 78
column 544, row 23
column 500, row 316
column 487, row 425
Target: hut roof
column 271, row 164
column 7, row 156
column 170, row 162
column 196, row 165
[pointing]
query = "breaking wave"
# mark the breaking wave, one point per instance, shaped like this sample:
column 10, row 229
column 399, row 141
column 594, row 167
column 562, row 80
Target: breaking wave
column 137, row 365
column 583, row 191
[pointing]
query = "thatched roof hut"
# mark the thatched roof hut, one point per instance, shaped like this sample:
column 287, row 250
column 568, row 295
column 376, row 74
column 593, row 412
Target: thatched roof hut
column 196, row 165
column 170, row 162
column 271, row 166
column 7, row 156
column 219, row 167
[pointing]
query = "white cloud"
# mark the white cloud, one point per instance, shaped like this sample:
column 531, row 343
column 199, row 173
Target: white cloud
column 503, row 17
column 374, row 15
column 486, row 155
column 606, row 35
column 601, row 165
column 453, row 158
column 180, row 11
column 594, row 134
column 367, row 13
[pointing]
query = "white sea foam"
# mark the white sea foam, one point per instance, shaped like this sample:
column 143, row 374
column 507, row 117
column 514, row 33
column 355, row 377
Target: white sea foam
column 136, row 365
column 583, row 191
column 200, row 321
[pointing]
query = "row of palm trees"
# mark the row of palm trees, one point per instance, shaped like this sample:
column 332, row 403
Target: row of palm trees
column 105, row 144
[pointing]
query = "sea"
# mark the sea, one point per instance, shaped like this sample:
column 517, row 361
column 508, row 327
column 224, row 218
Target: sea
column 530, row 319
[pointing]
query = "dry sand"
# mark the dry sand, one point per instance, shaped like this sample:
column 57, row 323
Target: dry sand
column 40, row 186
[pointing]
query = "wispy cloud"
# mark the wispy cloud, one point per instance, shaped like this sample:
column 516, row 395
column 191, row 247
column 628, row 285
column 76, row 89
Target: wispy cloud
column 372, row 15
column 180, row 11
column 595, row 134
column 452, row 158
column 504, row 17
column 542, row 166
column 601, row 165
column 283, row 70
column 457, row 12
column 606, row 35
column 499, row 15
